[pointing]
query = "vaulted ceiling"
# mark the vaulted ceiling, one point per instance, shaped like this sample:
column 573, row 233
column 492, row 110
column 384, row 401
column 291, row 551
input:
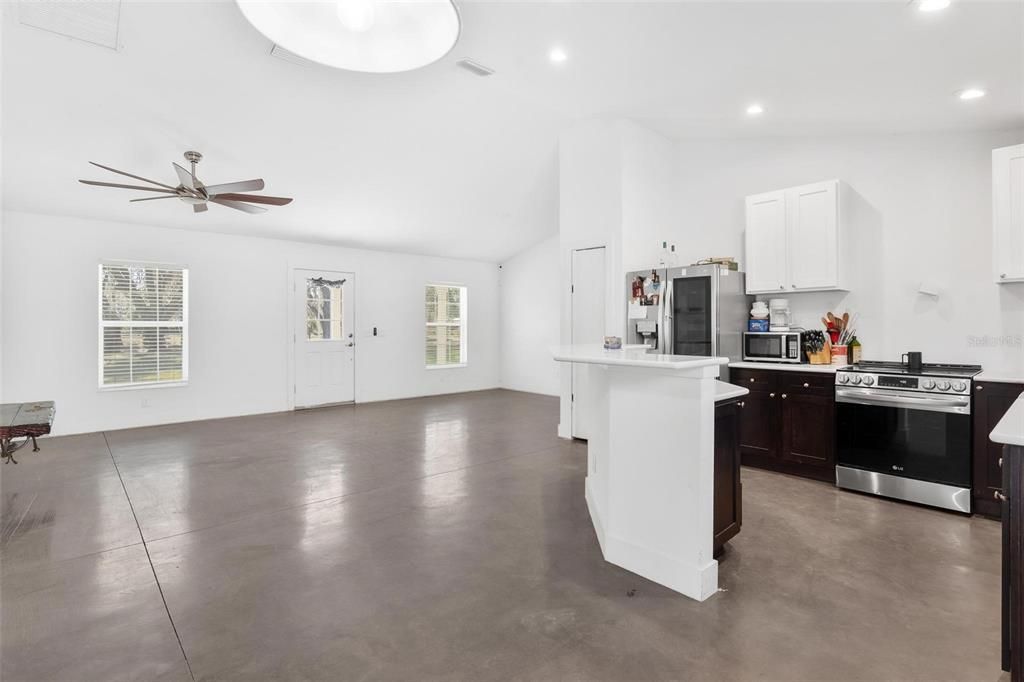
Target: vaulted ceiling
column 440, row 161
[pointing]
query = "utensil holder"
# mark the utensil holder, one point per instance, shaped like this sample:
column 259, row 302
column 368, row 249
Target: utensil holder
column 839, row 356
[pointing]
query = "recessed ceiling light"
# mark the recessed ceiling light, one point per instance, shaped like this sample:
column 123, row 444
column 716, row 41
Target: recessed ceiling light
column 971, row 93
column 932, row 5
column 755, row 110
column 558, row 55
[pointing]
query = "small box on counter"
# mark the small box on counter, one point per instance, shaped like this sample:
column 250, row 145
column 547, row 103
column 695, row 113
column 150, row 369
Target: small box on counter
column 757, row 325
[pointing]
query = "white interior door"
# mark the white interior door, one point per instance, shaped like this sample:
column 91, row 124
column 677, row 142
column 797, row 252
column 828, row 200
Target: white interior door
column 324, row 337
column 813, row 235
column 588, row 306
column 766, row 242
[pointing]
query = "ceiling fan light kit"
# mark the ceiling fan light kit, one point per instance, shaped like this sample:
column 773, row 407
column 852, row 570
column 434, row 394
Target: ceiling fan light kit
column 372, row 36
column 194, row 192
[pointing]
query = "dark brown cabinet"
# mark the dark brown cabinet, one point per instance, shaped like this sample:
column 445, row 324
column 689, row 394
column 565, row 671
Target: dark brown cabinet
column 728, row 488
column 788, row 422
column 991, row 401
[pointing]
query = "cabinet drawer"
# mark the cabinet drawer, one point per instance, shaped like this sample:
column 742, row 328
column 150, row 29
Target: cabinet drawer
column 812, row 384
column 754, row 379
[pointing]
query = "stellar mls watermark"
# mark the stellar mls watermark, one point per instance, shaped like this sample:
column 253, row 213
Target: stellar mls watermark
column 1003, row 341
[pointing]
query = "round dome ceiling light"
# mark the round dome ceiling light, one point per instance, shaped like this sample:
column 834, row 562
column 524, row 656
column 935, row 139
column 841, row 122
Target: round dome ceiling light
column 373, row 36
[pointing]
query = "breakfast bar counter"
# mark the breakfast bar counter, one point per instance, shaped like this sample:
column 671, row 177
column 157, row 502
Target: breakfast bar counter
column 650, row 462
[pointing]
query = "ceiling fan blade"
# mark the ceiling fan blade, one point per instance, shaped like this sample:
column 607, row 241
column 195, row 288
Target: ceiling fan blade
column 238, row 205
column 137, row 177
column 244, row 186
column 185, row 177
column 166, row 196
column 254, row 198
column 199, row 208
column 138, row 187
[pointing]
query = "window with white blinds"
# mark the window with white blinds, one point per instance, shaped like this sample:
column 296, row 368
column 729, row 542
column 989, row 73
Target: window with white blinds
column 143, row 326
column 446, row 325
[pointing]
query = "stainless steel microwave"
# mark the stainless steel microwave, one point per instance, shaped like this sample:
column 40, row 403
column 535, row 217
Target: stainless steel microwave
column 772, row 346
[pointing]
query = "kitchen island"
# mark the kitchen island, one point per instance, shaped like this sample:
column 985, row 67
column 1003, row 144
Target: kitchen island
column 650, row 462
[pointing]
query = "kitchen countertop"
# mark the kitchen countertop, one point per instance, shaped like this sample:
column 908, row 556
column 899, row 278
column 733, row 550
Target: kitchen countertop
column 787, row 366
column 725, row 391
column 1000, row 378
column 595, row 354
column 1010, row 429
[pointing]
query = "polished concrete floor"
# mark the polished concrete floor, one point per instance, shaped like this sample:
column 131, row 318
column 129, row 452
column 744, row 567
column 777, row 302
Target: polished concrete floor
column 447, row 538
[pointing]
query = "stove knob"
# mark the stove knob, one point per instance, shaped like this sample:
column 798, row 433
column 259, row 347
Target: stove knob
column 943, row 385
column 928, row 384
column 959, row 386
column 842, row 378
column 867, row 381
column 855, row 380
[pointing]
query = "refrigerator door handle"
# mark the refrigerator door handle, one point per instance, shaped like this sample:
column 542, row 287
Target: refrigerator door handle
column 664, row 310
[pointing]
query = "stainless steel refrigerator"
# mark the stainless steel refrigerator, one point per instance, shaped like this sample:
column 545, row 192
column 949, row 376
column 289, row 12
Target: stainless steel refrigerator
column 693, row 310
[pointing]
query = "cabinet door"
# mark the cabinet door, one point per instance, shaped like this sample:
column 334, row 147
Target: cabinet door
column 1008, row 213
column 991, row 401
column 728, row 495
column 766, row 243
column 759, row 428
column 808, row 433
column 813, row 236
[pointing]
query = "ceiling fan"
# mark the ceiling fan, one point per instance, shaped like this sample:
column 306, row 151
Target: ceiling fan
column 192, row 191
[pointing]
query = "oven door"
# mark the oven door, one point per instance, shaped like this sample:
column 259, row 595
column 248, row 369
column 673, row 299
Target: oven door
column 918, row 436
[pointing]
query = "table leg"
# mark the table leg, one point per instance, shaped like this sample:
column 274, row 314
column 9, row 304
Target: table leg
column 35, row 446
column 7, row 449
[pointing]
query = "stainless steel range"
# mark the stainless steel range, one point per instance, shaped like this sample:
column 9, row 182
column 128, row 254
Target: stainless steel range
column 906, row 433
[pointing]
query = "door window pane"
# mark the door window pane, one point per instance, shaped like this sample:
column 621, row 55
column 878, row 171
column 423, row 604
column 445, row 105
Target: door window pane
column 324, row 306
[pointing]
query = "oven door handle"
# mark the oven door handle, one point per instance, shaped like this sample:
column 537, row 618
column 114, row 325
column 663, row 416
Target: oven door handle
column 953, row 404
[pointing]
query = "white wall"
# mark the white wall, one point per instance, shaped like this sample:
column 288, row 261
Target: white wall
column 922, row 210
column 530, row 319
column 240, row 332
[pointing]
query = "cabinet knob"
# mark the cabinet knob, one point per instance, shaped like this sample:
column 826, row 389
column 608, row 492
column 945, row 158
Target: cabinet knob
column 1000, row 462
column 751, row 379
column 999, row 496
column 806, row 385
column 979, row 388
column 782, row 286
column 771, row 395
column 783, row 396
column 743, row 404
column 1002, row 275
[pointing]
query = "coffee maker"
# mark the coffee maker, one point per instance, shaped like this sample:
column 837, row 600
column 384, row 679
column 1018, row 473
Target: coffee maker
column 779, row 317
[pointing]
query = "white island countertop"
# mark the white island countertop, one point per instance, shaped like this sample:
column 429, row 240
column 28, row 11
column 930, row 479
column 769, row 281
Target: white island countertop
column 998, row 377
column 1010, row 429
column 725, row 391
column 595, row 354
column 787, row 366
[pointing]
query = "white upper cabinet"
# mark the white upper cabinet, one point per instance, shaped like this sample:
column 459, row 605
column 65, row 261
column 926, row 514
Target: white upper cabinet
column 1008, row 213
column 766, row 242
column 794, row 240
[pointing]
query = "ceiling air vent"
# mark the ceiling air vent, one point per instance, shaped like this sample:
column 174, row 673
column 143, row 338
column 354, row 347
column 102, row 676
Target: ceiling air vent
column 473, row 67
column 92, row 22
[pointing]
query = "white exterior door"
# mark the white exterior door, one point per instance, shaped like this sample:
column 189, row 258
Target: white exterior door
column 588, row 307
column 324, row 337
column 1008, row 213
column 813, row 236
column 766, row 243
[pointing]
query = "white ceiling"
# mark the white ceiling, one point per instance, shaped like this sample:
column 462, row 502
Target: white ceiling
column 442, row 162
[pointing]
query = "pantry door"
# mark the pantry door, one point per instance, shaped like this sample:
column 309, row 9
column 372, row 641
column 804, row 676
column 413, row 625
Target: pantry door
column 324, row 337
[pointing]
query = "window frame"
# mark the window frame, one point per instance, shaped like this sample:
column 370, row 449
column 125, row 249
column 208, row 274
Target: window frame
column 103, row 325
column 463, row 325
